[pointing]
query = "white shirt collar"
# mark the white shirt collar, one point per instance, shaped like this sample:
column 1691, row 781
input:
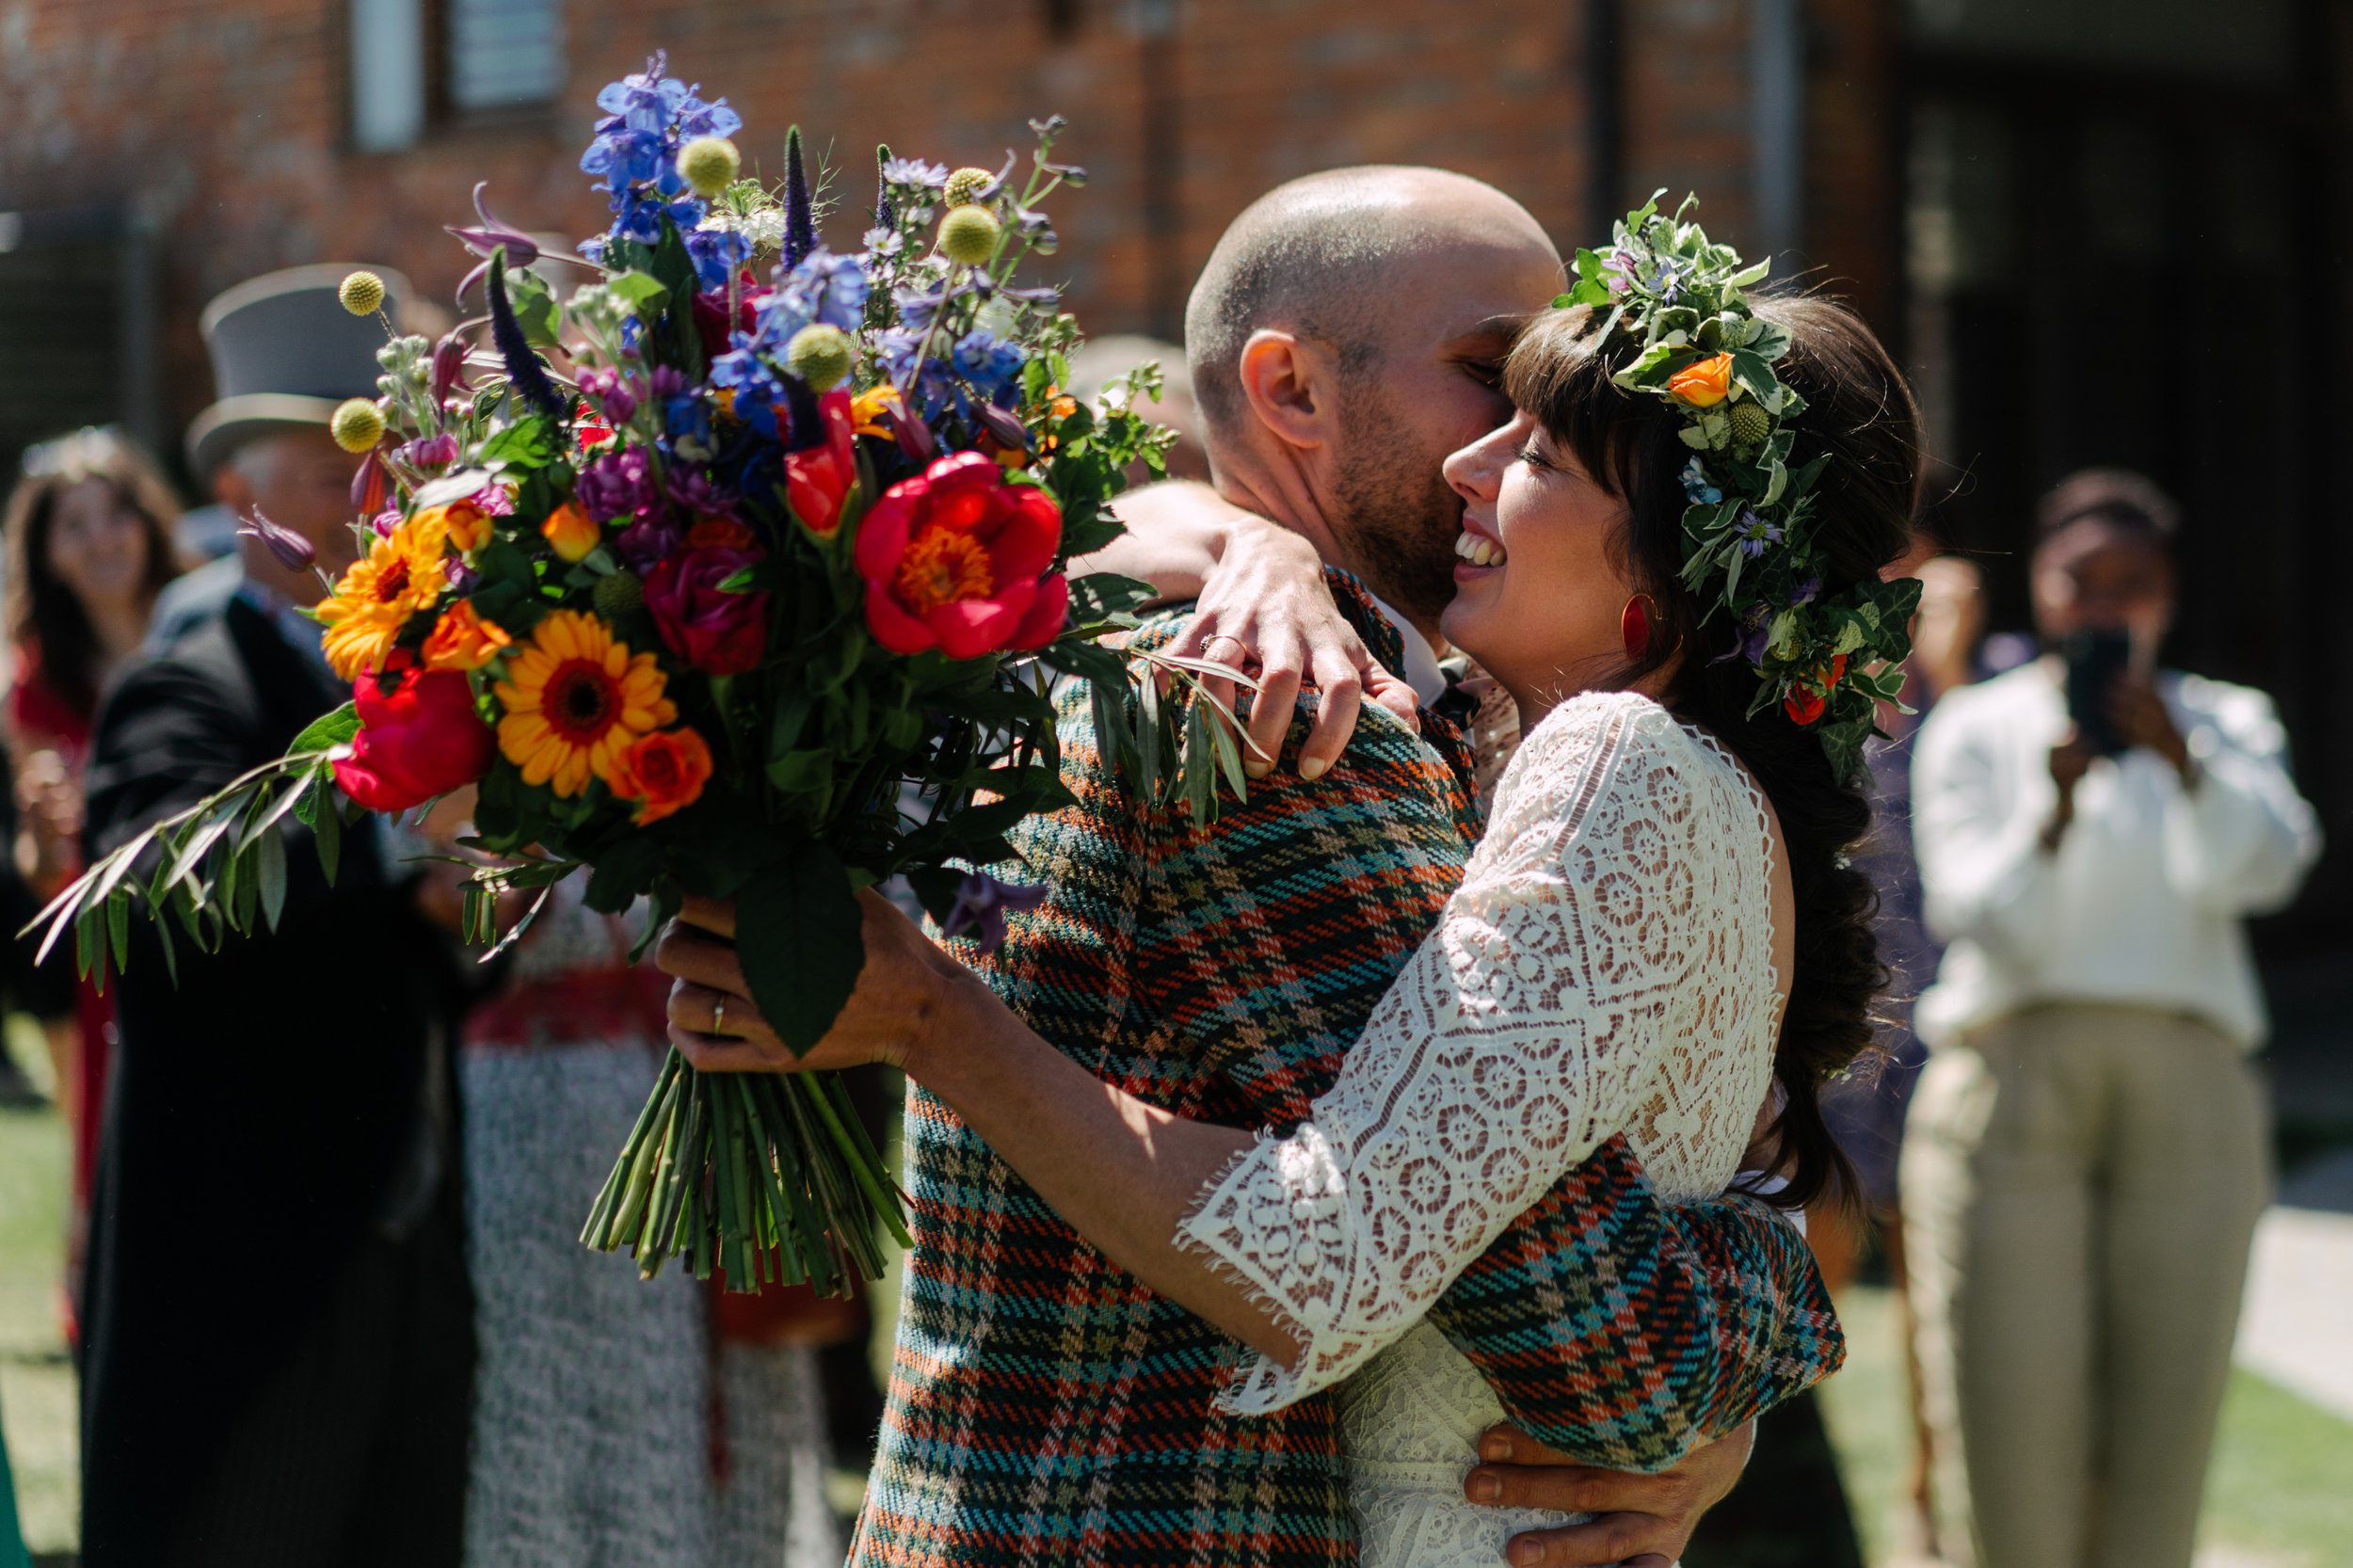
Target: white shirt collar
column 1421, row 670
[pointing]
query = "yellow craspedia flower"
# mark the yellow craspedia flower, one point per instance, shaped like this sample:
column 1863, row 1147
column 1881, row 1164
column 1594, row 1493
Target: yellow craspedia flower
column 400, row 577
column 363, row 293
column 965, row 185
column 968, row 234
column 820, row 356
column 576, row 699
column 709, row 165
column 355, row 426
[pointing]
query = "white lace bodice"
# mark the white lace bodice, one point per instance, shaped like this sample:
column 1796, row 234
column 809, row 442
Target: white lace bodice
column 1607, row 966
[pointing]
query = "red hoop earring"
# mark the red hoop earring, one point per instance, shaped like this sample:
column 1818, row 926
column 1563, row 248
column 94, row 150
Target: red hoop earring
column 1634, row 624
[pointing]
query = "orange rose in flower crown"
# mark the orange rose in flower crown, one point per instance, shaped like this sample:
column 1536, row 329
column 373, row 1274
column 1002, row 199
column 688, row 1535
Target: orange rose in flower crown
column 1705, row 383
column 956, row 559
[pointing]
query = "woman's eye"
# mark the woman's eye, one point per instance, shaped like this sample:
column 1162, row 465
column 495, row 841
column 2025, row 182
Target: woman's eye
column 1533, row 458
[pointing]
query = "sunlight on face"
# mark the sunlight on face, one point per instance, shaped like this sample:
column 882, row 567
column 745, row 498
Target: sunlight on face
column 1539, row 587
column 98, row 545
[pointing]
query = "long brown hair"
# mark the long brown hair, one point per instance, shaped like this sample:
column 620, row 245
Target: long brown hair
column 42, row 611
column 1859, row 409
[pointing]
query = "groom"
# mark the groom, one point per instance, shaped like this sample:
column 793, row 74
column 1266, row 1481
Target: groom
column 1046, row 1406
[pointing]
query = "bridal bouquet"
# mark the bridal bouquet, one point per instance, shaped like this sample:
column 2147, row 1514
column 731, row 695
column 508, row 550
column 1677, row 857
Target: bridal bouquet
column 740, row 572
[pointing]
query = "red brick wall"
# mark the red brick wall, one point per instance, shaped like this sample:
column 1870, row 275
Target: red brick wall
column 224, row 120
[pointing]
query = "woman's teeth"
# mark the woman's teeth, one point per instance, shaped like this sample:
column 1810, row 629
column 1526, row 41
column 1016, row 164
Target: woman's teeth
column 1479, row 549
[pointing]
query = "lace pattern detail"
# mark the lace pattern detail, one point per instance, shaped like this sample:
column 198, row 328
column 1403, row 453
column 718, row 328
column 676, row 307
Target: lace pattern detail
column 1607, row 966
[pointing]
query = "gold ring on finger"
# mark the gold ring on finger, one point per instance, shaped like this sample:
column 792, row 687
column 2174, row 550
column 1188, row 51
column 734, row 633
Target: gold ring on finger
column 719, row 1016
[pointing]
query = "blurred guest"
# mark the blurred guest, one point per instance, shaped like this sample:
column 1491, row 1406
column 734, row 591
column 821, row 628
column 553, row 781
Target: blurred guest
column 278, row 1328
column 596, row 1439
column 2085, row 1156
column 88, row 540
column 1104, row 361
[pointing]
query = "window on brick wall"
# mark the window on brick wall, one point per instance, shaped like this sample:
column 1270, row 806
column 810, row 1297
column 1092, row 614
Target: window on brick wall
column 419, row 63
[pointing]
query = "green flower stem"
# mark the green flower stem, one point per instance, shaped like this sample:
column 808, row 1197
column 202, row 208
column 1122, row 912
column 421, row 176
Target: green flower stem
column 593, row 1233
column 864, row 1163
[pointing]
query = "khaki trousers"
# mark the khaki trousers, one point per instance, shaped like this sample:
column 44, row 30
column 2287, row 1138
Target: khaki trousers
column 2080, row 1185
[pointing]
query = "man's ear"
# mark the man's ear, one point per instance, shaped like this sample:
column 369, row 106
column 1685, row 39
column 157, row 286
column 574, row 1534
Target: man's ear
column 1286, row 379
column 232, row 490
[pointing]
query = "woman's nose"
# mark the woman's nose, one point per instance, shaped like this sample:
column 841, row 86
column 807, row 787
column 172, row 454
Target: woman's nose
column 1471, row 470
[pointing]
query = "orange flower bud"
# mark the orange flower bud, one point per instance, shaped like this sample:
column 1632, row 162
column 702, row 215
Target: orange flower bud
column 462, row 640
column 571, row 532
column 468, row 525
column 664, row 772
column 1705, row 383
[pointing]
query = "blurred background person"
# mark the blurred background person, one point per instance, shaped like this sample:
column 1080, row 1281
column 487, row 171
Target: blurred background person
column 277, row 1327
column 2085, row 1156
column 615, row 1421
column 88, row 532
column 1104, row 361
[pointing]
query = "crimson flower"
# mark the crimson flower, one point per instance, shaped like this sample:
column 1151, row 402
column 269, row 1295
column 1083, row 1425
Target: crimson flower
column 418, row 738
column 817, row 480
column 715, row 630
column 956, row 559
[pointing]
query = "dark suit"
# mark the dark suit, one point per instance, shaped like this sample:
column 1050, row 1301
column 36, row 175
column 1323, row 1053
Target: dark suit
column 277, row 1324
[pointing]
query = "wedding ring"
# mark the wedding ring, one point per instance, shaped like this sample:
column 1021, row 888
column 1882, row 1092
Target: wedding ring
column 719, row 1016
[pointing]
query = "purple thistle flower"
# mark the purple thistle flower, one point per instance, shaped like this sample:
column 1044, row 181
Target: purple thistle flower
column 981, row 905
column 291, row 550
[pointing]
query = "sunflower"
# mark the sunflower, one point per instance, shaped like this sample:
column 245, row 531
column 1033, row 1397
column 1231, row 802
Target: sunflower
column 575, row 700
column 400, row 576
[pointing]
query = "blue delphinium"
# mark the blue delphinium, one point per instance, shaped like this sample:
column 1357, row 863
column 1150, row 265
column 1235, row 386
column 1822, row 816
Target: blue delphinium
column 989, row 364
column 716, row 254
column 635, row 154
column 824, row 290
column 758, row 390
column 1696, row 489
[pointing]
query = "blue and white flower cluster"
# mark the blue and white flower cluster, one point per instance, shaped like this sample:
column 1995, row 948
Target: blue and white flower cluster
column 635, row 154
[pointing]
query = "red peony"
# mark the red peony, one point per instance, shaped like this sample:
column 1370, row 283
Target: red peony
column 419, row 737
column 717, row 631
column 815, row 481
column 956, row 559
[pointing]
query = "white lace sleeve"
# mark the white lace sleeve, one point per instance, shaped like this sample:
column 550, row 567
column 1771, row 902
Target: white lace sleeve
column 1526, row 1028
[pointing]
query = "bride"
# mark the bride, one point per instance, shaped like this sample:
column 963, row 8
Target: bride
column 1658, row 927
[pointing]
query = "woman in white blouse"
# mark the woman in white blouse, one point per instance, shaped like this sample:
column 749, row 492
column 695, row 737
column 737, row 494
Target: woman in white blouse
column 2086, row 1154
column 1657, row 924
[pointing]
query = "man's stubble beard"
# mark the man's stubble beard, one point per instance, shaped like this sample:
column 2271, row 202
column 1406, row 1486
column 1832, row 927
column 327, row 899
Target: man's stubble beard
column 1399, row 518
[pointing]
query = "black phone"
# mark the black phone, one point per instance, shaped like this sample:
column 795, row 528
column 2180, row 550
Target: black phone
column 2096, row 659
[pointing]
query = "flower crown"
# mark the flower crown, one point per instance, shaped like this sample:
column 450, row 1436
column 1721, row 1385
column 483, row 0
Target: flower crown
column 1676, row 298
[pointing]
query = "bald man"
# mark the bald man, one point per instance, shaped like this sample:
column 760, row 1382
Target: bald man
column 1047, row 1408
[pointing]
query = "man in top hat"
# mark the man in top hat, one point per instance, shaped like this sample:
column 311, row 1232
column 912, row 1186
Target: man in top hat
column 278, row 1339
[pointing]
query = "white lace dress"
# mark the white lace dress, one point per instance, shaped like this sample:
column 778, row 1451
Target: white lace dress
column 1606, row 966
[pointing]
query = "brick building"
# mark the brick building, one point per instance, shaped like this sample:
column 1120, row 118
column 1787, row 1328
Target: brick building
column 2098, row 229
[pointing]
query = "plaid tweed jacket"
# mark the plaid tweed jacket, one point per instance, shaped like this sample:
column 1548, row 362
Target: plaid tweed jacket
column 1047, row 1408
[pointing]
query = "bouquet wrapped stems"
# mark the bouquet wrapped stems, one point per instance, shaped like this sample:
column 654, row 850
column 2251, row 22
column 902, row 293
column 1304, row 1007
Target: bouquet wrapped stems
column 770, row 1176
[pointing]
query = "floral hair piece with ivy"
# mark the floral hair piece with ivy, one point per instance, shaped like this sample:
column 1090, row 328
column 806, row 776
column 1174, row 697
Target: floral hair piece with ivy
column 1677, row 300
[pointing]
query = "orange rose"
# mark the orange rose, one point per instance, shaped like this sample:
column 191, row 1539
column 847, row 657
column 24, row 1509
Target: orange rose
column 462, row 640
column 664, row 773
column 1705, row 383
column 572, row 532
column 466, row 524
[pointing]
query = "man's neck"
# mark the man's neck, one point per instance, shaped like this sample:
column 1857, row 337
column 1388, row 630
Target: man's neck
column 1294, row 507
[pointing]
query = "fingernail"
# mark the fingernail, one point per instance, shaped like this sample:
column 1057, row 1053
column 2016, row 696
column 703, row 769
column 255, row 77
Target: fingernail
column 1253, row 768
column 1526, row 1553
column 1494, row 1447
column 1485, row 1486
column 1312, row 767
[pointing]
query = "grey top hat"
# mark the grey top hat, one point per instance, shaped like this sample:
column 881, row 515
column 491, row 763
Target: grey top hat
column 285, row 352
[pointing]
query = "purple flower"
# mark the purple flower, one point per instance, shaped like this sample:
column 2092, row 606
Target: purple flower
column 610, row 391
column 716, row 254
column 691, row 492
column 668, row 382
column 430, row 453
column 759, row 394
column 618, row 485
column 981, row 905
column 495, row 233
column 990, row 363
column 1755, row 534
column 645, row 543
column 915, row 174
column 1806, row 592
column 385, row 521
column 635, row 154
column 449, row 365
column 293, row 551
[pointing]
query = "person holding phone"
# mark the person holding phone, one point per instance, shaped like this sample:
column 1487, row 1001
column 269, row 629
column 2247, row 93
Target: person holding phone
column 2086, row 1151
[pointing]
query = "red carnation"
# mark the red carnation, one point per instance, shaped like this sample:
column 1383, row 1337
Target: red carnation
column 716, row 630
column 418, row 738
column 955, row 559
column 817, row 480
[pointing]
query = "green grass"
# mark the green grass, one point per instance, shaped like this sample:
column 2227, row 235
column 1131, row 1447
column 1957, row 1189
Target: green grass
column 37, row 1389
column 2280, row 1495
